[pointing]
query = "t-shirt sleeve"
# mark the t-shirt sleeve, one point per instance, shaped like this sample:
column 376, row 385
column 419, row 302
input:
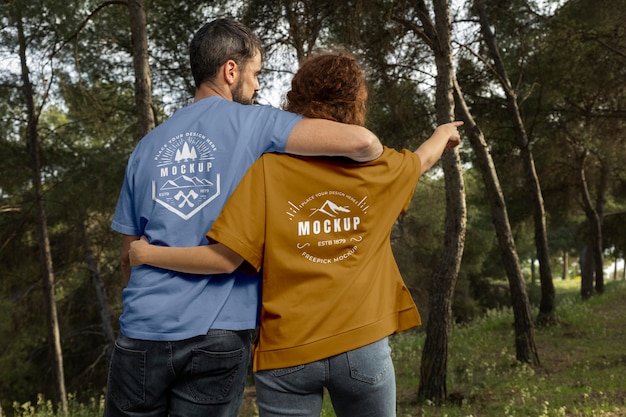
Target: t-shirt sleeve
column 276, row 125
column 241, row 224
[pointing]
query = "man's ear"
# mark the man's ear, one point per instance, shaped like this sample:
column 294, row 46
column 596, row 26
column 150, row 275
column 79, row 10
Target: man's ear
column 231, row 71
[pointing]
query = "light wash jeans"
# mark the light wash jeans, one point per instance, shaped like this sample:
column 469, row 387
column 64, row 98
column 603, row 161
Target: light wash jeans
column 198, row 377
column 360, row 382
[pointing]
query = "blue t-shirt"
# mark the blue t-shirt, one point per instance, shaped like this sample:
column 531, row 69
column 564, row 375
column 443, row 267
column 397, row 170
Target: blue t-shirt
column 177, row 180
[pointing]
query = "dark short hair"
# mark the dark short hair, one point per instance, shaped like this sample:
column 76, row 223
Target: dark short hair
column 218, row 41
column 329, row 86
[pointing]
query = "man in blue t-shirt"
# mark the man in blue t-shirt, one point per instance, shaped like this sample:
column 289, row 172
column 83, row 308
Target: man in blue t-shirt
column 184, row 342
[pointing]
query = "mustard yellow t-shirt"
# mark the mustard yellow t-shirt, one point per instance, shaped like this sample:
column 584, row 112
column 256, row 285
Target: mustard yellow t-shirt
column 320, row 229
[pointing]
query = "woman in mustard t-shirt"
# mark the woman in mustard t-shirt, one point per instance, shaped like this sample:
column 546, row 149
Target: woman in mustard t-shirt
column 319, row 229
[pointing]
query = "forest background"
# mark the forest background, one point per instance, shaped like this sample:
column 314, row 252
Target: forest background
column 536, row 193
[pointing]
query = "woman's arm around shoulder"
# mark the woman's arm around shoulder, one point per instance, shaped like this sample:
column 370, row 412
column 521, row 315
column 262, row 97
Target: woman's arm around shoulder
column 207, row 259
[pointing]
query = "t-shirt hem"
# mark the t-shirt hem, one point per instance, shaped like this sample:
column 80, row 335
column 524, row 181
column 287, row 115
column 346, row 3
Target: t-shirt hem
column 336, row 344
column 171, row 337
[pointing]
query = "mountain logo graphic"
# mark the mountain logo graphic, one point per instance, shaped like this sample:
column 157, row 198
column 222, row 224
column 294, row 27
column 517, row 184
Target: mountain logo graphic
column 185, row 182
column 185, row 196
column 330, row 209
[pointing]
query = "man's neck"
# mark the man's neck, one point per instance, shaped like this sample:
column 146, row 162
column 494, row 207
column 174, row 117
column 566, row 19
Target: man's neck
column 209, row 90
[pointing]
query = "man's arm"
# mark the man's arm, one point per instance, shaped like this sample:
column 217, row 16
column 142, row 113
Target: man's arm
column 312, row 137
column 207, row 259
column 445, row 136
column 125, row 261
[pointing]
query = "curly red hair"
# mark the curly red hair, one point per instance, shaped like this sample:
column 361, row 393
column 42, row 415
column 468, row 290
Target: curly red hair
column 329, row 86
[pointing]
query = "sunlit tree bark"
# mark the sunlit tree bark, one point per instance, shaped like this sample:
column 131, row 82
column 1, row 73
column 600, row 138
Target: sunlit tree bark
column 47, row 269
column 525, row 346
column 434, row 362
column 547, row 303
column 143, row 82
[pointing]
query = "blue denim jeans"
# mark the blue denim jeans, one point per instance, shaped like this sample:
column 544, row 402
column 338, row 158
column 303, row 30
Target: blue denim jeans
column 198, row 377
column 360, row 382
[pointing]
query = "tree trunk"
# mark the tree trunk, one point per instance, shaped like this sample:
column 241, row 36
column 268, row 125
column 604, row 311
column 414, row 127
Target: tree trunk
column 525, row 347
column 547, row 305
column 54, row 334
column 586, row 273
column 600, row 203
column 565, row 265
column 594, row 219
column 434, row 362
column 92, row 265
column 143, row 82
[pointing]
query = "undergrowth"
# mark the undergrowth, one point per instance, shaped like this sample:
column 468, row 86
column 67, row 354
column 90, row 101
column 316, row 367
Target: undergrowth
column 582, row 371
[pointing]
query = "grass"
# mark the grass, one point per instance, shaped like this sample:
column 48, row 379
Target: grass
column 582, row 372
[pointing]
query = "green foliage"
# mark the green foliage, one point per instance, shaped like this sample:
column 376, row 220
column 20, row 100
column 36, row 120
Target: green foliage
column 568, row 70
column 413, row 237
column 398, row 114
column 44, row 408
column 580, row 71
column 583, row 372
